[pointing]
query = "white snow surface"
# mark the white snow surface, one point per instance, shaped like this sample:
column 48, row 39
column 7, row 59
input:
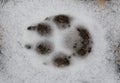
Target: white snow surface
column 19, row 65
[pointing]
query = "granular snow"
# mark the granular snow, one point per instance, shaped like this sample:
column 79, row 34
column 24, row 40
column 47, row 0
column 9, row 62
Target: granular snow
column 20, row 65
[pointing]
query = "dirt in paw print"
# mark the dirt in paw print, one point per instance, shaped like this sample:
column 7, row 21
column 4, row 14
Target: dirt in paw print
column 44, row 47
column 86, row 41
column 31, row 28
column 62, row 21
column 28, row 46
column 82, row 51
column 61, row 60
column 44, row 29
column 80, row 41
column 83, row 33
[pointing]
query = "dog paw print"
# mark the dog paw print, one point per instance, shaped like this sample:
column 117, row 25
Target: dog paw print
column 76, row 39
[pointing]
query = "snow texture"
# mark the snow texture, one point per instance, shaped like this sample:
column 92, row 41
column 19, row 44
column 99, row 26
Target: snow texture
column 20, row 65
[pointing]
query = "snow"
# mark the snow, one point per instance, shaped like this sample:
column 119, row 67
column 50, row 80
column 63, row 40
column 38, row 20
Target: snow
column 20, row 65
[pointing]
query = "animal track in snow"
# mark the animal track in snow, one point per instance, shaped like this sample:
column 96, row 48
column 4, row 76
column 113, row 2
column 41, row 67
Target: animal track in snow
column 66, row 37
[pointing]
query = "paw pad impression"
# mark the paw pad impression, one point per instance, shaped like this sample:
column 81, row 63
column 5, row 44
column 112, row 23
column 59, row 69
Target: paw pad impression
column 79, row 43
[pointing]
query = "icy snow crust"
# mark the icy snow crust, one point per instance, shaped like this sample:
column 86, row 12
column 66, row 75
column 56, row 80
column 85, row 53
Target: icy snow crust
column 20, row 65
